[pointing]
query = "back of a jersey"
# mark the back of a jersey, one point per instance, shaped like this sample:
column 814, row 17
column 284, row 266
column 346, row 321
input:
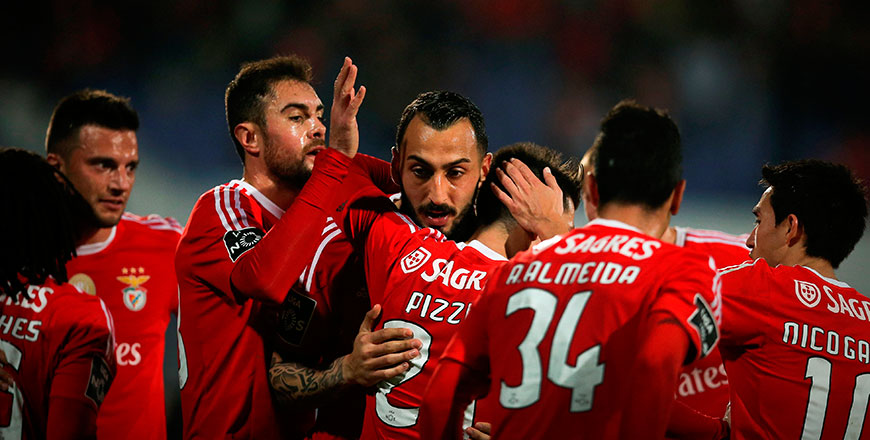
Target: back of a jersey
column 796, row 346
column 58, row 344
column 565, row 322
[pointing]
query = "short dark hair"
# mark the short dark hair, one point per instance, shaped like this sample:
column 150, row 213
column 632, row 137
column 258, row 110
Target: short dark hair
column 828, row 200
column 87, row 107
column 37, row 246
column 637, row 157
column 246, row 94
column 536, row 157
column 440, row 109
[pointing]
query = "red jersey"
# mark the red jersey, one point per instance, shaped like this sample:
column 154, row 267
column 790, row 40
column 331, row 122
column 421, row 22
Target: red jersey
column 222, row 357
column 703, row 385
column 573, row 308
column 423, row 283
column 58, row 345
column 797, row 347
column 133, row 273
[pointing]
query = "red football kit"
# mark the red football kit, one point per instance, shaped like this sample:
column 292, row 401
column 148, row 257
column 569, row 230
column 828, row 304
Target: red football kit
column 703, row 385
column 797, row 347
column 132, row 272
column 557, row 335
column 59, row 351
column 237, row 240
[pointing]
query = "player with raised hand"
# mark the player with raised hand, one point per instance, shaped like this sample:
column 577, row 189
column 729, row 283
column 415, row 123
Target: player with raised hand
column 584, row 335
column 795, row 339
column 56, row 343
column 238, row 257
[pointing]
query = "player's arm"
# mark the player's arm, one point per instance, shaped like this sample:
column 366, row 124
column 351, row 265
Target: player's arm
column 686, row 423
column 452, row 388
column 376, row 356
column 268, row 271
column 537, row 206
column 84, row 372
column 654, row 377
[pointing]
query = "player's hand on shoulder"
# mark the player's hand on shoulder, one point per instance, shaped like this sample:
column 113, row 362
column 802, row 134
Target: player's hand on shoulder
column 343, row 128
column 379, row 355
column 480, row 431
column 537, row 206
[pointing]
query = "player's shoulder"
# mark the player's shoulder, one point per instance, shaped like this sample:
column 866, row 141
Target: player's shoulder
column 695, row 235
column 63, row 302
column 228, row 206
column 152, row 224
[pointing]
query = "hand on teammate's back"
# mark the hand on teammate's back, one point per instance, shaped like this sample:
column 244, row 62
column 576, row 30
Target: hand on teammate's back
column 379, row 355
column 343, row 128
column 480, row 431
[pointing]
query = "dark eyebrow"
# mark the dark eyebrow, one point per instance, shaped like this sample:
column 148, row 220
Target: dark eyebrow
column 449, row 165
column 299, row 106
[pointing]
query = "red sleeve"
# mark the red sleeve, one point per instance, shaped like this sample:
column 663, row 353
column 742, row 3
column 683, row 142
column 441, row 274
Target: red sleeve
column 686, row 423
column 378, row 171
column 688, row 296
column 70, row 419
column 268, row 271
column 461, row 376
column 86, row 365
column 744, row 289
column 655, row 378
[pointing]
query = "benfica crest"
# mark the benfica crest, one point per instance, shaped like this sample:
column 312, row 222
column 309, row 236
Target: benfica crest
column 134, row 294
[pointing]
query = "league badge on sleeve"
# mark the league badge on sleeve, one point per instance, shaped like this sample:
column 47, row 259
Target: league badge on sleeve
column 415, row 260
column 704, row 323
column 294, row 317
column 134, row 294
column 99, row 381
column 241, row 241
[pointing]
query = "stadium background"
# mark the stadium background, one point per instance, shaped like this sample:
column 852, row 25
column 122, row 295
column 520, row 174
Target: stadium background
column 748, row 81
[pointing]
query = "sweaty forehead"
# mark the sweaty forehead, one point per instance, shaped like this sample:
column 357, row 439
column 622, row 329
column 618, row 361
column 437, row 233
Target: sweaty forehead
column 438, row 147
column 294, row 93
column 95, row 140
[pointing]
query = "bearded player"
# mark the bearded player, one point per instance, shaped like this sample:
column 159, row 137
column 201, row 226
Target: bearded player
column 124, row 259
column 56, row 343
column 794, row 338
column 584, row 335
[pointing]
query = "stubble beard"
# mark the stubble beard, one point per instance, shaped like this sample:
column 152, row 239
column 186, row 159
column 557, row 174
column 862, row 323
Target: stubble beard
column 292, row 173
column 464, row 224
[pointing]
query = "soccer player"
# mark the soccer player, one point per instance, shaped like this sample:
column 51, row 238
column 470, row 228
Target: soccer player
column 237, row 251
column 583, row 336
column 56, row 343
column 124, row 259
column 795, row 339
column 428, row 284
column 438, row 189
column 703, row 385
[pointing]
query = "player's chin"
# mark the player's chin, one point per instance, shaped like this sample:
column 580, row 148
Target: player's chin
column 108, row 219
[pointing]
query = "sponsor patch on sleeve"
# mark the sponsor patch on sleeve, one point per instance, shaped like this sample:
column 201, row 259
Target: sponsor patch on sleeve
column 241, row 241
column 705, row 324
column 99, row 381
column 294, row 317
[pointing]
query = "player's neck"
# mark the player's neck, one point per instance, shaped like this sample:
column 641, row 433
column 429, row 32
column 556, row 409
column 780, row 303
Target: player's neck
column 95, row 235
column 493, row 236
column 820, row 265
column 670, row 235
column 278, row 192
column 653, row 223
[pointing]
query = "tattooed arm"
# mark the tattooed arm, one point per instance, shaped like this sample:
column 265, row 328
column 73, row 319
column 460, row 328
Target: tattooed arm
column 376, row 356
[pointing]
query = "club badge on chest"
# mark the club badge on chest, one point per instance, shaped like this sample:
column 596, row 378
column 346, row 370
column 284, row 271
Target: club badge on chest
column 134, row 294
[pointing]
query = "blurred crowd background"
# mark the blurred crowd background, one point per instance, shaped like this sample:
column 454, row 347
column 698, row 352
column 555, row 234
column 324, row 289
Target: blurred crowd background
column 748, row 81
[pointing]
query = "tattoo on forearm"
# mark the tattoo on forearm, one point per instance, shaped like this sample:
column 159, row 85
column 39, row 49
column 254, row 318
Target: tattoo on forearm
column 296, row 383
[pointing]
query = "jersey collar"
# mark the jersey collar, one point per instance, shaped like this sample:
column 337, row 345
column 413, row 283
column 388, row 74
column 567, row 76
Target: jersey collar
column 93, row 248
column 613, row 224
column 830, row 280
column 264, row 201
column 483, row 249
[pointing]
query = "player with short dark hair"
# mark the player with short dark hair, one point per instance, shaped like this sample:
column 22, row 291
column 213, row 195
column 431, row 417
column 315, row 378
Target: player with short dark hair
column 125, row 259
column 56, row 343
column 585, row 334
column 440, row 161
column 239, row 266
column 795, row 339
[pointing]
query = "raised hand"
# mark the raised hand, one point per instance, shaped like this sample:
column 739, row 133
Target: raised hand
column 343, row 128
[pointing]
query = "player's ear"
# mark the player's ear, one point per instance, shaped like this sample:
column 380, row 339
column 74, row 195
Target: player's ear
column 592, row 192
column 54, row 160
column 247, row 135
column 396, row 166
column 677, row 197
column 795, row 230
column 484, row 167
